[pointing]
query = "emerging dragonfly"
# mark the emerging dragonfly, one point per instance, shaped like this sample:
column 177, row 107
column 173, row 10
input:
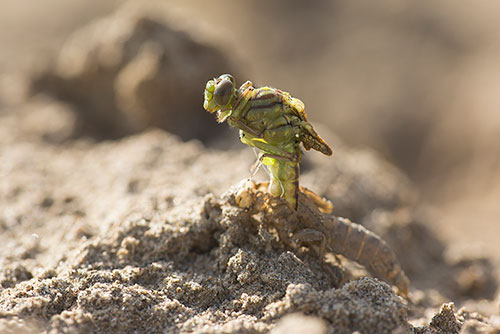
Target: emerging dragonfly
column 270, row 120
column 276, row 123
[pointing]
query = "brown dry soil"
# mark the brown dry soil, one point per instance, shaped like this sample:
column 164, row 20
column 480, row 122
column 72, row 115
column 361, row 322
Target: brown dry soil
column 133, row 234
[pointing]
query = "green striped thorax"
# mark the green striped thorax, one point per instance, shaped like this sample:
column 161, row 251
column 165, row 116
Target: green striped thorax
column 220, row 94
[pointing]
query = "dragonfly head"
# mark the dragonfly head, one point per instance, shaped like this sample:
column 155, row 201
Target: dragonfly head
column 220, row 94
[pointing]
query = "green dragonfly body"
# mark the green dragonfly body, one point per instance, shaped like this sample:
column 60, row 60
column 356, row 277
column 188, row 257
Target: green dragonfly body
column 270, row 120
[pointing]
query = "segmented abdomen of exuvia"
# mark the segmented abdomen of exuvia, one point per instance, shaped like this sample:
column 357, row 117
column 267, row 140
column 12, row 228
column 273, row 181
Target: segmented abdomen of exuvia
column 365, row 247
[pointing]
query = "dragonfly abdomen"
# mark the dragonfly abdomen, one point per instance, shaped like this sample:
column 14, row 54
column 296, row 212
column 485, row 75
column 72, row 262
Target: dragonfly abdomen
column 284, row 179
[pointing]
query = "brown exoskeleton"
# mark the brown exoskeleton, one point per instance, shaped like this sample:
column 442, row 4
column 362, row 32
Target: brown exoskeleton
column 313, row 225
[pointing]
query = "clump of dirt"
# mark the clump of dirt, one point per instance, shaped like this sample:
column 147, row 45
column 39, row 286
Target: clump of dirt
column 190, row 268
column 359, row 180
column 458, row 274
column 135, row 69
column 13, row 274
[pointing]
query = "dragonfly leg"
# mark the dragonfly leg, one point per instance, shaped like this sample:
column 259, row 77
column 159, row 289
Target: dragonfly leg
column 274, row 156
column 246, row 128
column 255, row 168
column 271, row 150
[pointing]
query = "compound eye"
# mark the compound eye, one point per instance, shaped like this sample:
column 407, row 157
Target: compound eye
column 223, row 92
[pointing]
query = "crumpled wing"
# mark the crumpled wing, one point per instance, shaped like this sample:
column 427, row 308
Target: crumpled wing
column 309, row 137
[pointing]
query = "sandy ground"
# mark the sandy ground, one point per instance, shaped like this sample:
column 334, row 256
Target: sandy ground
column 111, row 227
column 123, row 237
column 415, row 81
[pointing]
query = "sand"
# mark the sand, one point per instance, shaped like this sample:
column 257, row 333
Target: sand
column 108, row 228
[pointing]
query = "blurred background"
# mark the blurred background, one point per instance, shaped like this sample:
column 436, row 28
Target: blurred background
column 417, row 81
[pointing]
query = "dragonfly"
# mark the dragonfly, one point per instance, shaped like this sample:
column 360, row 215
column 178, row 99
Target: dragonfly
column 276, row 123
column 270, row 120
